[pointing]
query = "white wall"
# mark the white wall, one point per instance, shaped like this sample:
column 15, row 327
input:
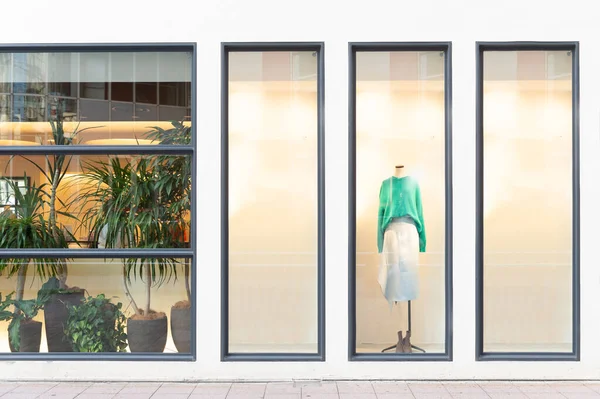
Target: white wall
column 463, row 22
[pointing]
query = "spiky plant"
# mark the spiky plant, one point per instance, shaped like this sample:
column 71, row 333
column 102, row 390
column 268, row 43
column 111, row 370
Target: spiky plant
column 28, row 229
column 141, row 203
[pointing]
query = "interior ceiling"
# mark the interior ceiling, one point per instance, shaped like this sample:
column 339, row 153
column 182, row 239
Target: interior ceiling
column 98, row 133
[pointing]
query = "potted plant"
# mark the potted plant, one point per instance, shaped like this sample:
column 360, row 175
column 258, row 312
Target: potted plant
column 96, row 325
column 27, row 228
column 140, row 203
column 24, row 333
column 125, row 212
column 54, row 170
column 175, row 180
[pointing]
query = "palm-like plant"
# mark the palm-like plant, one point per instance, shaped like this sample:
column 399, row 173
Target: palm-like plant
column 127, row 209
column 29, row 229
column 175, row 180
column 54, row 169
column 142, row 203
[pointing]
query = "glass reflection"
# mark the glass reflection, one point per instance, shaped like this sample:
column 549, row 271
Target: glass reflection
column 109, row 97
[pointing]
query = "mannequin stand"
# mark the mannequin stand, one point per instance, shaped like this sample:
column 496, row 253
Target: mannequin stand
column 409, row 329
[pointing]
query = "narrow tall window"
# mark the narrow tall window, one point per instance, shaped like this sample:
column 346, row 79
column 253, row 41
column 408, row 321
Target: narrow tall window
column 272, row 225
column 528, row 201
column 400, row 201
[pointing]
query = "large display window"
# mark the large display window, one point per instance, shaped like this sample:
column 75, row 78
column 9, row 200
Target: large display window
column 528, row 201
column 96, row 185
column 273, row 202
column 400, row 201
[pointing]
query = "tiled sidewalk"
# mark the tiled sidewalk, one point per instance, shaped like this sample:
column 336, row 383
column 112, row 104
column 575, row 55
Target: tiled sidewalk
column 305, row 390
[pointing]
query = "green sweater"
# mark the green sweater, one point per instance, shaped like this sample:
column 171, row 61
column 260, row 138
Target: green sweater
column 400, row 196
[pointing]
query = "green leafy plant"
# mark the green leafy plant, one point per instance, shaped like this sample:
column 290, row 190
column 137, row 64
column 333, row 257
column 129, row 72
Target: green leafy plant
column 28, row 228
column 25, row 309
column 176, row 181
column 97, row 325
column 54, row 169
column 35, row 224
column 141, row 203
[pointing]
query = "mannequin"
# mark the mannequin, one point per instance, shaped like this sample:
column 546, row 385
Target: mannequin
column 400, row 238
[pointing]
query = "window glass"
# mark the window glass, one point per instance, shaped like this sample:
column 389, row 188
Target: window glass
column 273, row 229
column 527, row 201
column 103, row 98
column 98, row 300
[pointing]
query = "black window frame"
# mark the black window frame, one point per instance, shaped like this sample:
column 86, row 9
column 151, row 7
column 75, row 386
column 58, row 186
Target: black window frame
column 94, row 253
column 353, row 48
column 319, row 49
column 480, row 354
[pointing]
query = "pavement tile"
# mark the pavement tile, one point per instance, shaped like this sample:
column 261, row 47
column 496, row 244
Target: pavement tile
column 495, row 387
column 247, row 389
column 427, row 387
column 385, row 387
column 67, row 389
column 28, row 387
column 7, row 387
column 283, row 396
column 170, row 395
column 101, row 387
column 279, row 388
column 480, row 395
column 579, row 395
column 534, row 387
column 85, row 395
column 432, row 395
column 208, row 396
column 455, row 388
column 545, row 395
column 358, row 396
column 572, row 388
column 507, row 395
column 132, row 396
column 395, row 396
column 48, row 395
column 320, row 395
column 212, row 389
column 175, row 388
column 594, row 386
column 355, row 387
column 250, row 395
column 139, row 388
column 11, row 395
column 320, row 388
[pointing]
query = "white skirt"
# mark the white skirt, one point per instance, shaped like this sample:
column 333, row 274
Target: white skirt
column 398, row 268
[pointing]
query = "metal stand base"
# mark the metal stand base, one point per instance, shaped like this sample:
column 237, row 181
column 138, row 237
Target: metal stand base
column 409, row 329
column 394, row 346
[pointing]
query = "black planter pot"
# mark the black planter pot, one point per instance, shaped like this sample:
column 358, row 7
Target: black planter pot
column 30, row 333
column 56, row 314
column 147, row 335
column 181, row 328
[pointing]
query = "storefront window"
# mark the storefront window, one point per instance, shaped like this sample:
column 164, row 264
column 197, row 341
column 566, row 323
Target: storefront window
column 401, row 190
column 527, row 215
column 273, row 263
column 95, row 249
